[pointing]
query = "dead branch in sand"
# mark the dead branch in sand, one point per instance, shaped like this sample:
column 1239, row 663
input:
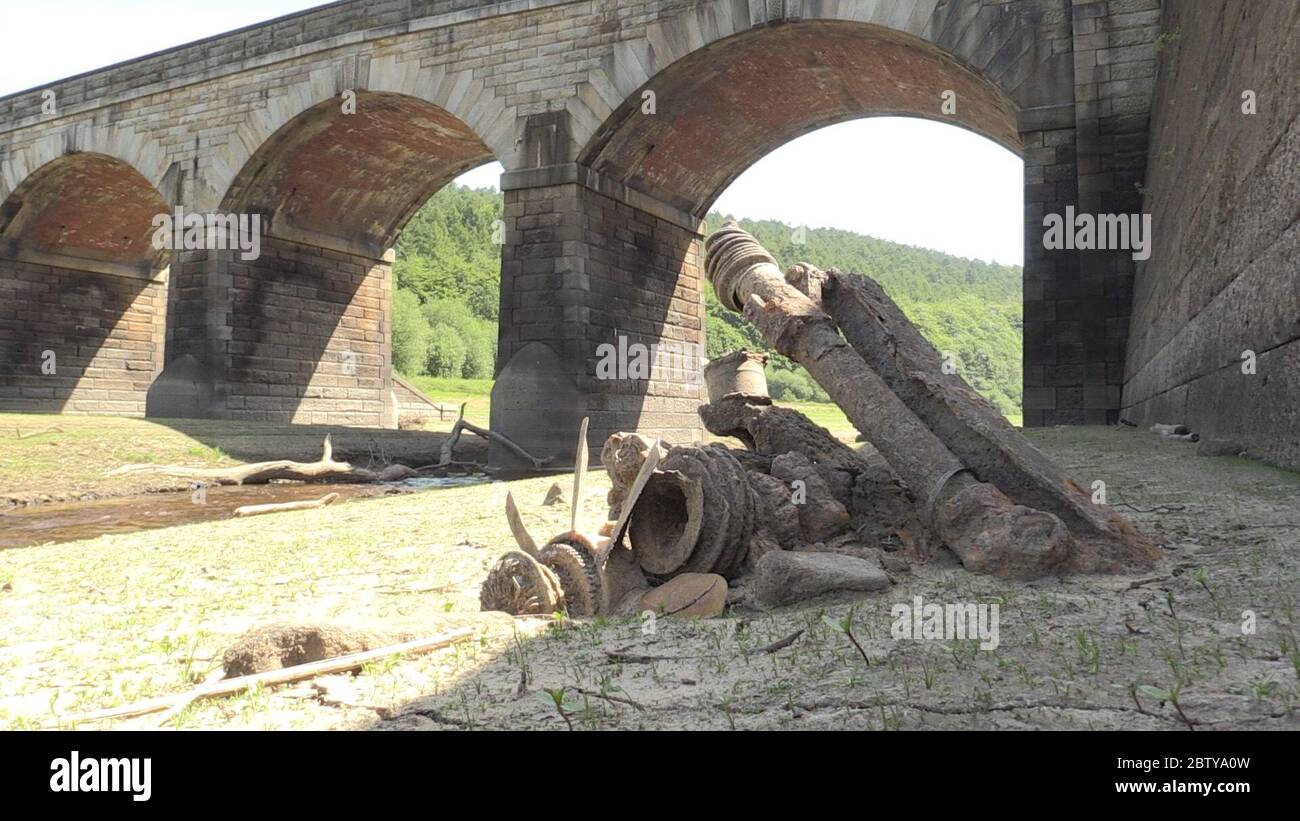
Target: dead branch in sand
column 18, row 432
column 444, row 455
column 280, row 507
column 256, row 473
column 230, row 686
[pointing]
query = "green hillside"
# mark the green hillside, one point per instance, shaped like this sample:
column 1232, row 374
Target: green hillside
column 964, row 306
column 448, row 279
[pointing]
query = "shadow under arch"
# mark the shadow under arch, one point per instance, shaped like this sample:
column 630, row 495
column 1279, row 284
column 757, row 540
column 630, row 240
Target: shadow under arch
column 82, row 288
column 302, row 333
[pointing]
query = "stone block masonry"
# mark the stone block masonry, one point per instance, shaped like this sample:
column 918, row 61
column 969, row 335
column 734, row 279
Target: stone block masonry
column 1224, row 275
column 1077, row 304
column 105, row 333
column 310, row 338
column 581, row 268
column 300, row 335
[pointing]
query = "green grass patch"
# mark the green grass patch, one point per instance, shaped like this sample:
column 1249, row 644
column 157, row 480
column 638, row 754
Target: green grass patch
column 474, row 393
column 436, row 386
column 72, row 455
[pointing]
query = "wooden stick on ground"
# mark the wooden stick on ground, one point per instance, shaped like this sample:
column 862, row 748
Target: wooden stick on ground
column 230, row 686
column 18, row 433
column 280, row 507
column 263, row 472
column 444, row 455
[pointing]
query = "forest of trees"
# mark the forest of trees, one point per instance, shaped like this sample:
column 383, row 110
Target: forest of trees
column 448, row 280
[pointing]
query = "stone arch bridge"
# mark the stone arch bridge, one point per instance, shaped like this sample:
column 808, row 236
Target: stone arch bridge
column 604, row 194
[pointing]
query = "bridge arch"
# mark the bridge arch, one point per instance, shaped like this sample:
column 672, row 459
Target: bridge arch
column 594, row 232
column 141, row 153
column 724, row 106
column 300, row 330
column 90, row 206
column 356, row 178
column 83, row 285
column 999, row 43
column 456, row 94
column 662, row 127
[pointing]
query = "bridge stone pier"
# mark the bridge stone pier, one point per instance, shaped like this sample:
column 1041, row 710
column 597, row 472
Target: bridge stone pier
column 618, row 124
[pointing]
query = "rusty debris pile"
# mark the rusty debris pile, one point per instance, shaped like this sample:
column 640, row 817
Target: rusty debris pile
column 797, row 513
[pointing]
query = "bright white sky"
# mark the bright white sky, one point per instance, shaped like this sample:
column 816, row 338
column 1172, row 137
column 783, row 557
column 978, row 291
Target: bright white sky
column 910, row 181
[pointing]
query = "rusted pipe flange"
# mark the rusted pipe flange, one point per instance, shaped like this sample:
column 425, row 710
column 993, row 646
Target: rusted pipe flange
column 932, row 500
column 729, row 254
column 669, row 517
column 740, row 374
column 696, row 514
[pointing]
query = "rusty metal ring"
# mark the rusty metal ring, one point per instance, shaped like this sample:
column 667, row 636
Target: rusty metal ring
column 932, row 501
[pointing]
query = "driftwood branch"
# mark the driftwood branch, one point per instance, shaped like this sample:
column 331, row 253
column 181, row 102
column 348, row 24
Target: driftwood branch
column 624, row 657
column 779, row 644
column 281, row 507
column 611, row 698
column 18, row 433
column 444, row 455
column 255, row 473
column 230, row 686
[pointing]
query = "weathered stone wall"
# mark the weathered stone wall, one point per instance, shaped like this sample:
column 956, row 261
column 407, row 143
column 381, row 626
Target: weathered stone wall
column 1223, row 188
column 105, row 332
column 309, row 337
column 300, row 334
column 1077, row 303
column 411, row 401
column 644, row 275
column 584, row 267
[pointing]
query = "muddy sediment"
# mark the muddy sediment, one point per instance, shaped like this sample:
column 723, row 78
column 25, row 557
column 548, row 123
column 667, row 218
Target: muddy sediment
column 71, row 521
